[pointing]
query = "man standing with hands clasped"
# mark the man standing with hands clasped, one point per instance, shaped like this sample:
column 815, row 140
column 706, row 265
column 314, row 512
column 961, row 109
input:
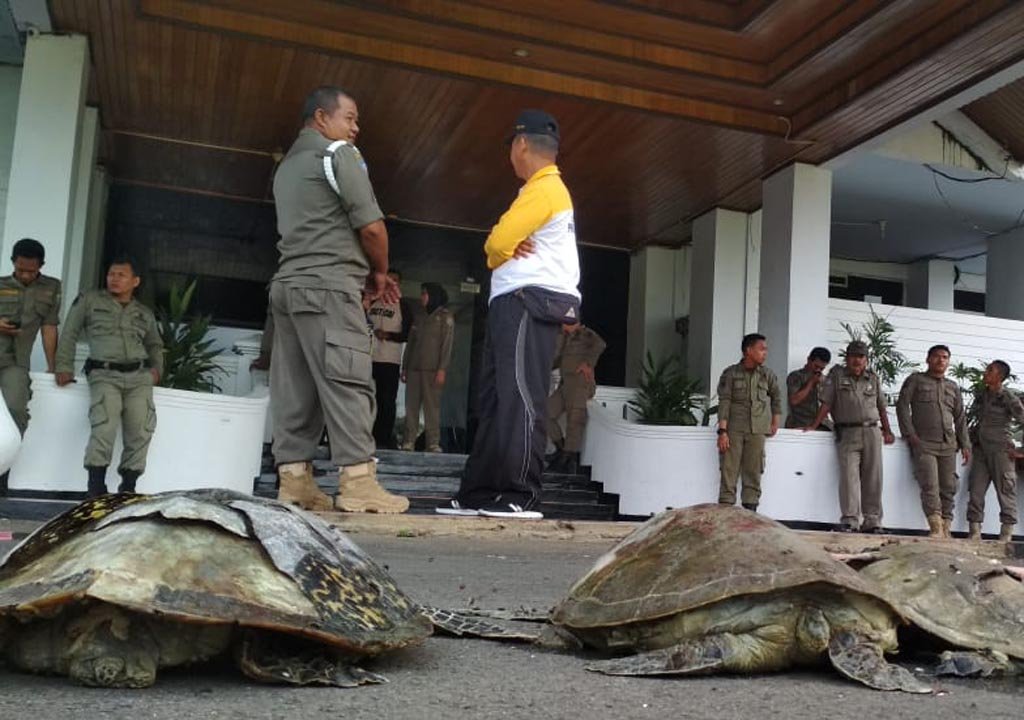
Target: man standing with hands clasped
column 749, row 410
column 853, row 394
column 536, row 270
column 932, row 421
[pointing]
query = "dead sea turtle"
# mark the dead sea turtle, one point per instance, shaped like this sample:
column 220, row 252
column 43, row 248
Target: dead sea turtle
column 123, row 585
column 967, row 601
column 720, row 589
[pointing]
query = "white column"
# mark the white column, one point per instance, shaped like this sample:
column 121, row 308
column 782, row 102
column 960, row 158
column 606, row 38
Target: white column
column 794, row 264
column 656, row 298
column 930, row 285
column 73, row 258
column 45, row 166
column 1004, row 291
column 718, row 284
column 10, row 82
column 96, row 227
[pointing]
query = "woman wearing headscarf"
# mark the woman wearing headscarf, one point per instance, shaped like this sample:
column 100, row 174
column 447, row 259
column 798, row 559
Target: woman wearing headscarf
column 425, row 366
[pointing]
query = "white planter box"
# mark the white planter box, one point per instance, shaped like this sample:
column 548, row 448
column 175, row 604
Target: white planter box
column 654, row 467
column 201, row 440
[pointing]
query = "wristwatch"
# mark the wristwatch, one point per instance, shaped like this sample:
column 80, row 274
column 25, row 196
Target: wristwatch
column 722, row 431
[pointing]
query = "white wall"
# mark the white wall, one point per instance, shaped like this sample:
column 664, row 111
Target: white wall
column 10, row 85
column 973, row 339
column 653, row 468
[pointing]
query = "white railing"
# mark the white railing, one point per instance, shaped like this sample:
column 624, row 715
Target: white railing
column 973, row 339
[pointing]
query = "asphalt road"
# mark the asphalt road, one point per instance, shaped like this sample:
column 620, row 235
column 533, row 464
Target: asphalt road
column 449, row 678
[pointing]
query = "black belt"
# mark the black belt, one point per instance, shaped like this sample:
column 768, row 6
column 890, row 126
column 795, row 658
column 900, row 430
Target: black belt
column 867, row 424
column 91, row 365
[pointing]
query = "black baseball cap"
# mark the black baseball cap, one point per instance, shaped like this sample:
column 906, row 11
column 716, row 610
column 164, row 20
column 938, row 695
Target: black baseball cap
column 534, row 122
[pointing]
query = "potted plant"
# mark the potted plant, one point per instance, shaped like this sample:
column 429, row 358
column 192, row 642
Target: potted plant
column 666, row 396
column 189, row 362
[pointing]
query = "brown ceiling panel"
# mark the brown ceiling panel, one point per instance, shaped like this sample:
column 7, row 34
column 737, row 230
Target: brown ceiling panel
column 1001, row 115
column 668, row 108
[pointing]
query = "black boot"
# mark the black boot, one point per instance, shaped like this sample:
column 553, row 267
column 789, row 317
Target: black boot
column 97, row 481
column 752, row 507
column 128, row 478
column 3, row 483
column 554, row 461
column 553, row 456
column 571, row 464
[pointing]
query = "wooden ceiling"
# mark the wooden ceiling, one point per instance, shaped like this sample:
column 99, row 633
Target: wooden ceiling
column 1001, row 115
column 668, row 107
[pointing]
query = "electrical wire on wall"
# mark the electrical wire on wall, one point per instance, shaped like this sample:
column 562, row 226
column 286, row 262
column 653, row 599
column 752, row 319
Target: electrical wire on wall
column 965, row 219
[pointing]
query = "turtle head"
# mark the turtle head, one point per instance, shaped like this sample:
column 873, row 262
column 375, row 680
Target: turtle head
column 813, row 631
column 110, row 648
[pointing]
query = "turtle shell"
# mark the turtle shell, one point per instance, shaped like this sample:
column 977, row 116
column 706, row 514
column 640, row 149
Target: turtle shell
column 212, row 556
column 683, row 559
column 968, row 601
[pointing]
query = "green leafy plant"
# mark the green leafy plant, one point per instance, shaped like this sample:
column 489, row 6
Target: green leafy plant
column 188, row 360
column 665, row 395
column 884, row 359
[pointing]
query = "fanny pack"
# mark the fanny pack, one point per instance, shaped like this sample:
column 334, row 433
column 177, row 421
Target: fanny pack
column 548, row 306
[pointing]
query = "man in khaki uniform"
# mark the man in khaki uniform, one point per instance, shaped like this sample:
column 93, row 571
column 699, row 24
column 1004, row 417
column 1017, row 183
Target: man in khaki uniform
column 334, row 251
column 29, row 303
column 576, row 354
column 126, row 359
column 749, row 409
column 932, row 421
column 853, row 395
column 425, row 367
column 803, row 388
column 997, row 408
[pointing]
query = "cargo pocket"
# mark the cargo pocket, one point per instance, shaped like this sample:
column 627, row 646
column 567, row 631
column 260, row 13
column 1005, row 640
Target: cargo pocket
column 97, row 412
column 306, row 300
column 150, row 416
column 347, row 356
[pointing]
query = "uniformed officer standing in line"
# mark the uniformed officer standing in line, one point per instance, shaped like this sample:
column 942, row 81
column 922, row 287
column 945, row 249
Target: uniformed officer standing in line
column 334, row 251
column 998, row 407
column 576, row 354
column 29, row 304
column 126, row 359
column 391, row 324
column 930, row 410
column 803, row 389
column 853, row 395
column 749, row 410
column 425, row 367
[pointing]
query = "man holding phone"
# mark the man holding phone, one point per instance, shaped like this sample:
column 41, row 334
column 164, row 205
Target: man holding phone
column 29, row 303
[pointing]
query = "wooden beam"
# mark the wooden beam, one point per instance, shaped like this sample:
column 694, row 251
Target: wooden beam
column 340, row 42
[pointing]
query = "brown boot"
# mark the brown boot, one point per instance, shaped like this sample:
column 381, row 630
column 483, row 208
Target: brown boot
column 974, row 531
column 935, row 526
column 1006, row 532
column 299, row 488
column 359, row 491
column 947, row 525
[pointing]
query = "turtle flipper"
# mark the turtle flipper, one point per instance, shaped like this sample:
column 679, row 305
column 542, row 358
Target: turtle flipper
column 981, row 663
column 689, row 658
column 861, row 659
column 459, row 625
column 291, row 661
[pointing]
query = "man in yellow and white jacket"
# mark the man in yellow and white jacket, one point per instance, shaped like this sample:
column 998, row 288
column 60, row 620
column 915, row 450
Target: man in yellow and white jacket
column 532, row 253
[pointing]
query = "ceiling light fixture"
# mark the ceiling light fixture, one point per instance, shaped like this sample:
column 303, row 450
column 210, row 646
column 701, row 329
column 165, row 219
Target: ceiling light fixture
column 521, row 53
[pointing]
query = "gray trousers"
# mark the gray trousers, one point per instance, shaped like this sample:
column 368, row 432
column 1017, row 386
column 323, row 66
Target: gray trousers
column 991, row 464
column 125, row 400
column 936, row 475
column 16, row 387
column 860, row 476
column 422, row 391
column 745, row 457
column 320, row 374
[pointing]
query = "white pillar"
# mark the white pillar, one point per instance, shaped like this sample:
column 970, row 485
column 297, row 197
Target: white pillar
column 794, row 264
column 930, row 285
column 718, row 282
column 1004, row 291
column 45, row 166
column 96, row 227
column 73, row 258
column 657, row 296
column 10, row 82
